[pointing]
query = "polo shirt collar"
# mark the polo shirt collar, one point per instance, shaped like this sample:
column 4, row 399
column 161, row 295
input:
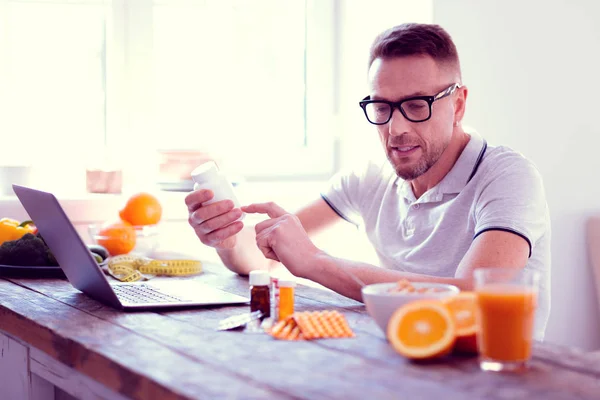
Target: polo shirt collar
column 465, row 166
column 457, row 178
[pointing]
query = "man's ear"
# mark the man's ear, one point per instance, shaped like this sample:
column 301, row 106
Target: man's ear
column 460, row 104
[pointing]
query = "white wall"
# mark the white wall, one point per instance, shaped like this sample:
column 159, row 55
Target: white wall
column 532, row 70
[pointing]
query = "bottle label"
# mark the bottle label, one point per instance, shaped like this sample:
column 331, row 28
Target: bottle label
column 275, row 298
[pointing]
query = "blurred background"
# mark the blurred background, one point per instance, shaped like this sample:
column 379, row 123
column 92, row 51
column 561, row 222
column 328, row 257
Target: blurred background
column 103, row 98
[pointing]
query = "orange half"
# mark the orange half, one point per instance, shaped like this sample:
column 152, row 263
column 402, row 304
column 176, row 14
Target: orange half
column 463, row 308
column 422, row 329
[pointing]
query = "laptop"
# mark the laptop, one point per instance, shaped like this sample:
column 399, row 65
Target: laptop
column 84, row 274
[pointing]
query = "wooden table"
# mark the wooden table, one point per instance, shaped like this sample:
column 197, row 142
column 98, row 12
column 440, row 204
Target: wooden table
column 57, row 341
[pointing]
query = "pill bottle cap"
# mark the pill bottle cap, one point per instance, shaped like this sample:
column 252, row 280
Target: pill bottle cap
column 259, row 278
column 205, row 172
column 287, row 283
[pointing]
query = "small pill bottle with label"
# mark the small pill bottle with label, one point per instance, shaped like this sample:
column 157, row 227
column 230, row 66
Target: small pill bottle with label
column 260, row 296
column 286, row 298
column 208, row 176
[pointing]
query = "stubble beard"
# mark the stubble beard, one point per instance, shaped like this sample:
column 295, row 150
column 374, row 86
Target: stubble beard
column 423, row 164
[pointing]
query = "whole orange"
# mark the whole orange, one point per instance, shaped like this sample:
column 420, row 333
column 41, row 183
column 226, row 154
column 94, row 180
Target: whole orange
column 141, row 209
column 117, row 237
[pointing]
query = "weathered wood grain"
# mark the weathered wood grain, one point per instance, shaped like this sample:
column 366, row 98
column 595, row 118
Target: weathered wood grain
column 567, row 357
column 349, row 368
column 14, row 374
column 119, row 359
column 74, row 384
column 313, row 298
column 41, row 389
column 461, row 372
column 62, row 395
column 304, row 370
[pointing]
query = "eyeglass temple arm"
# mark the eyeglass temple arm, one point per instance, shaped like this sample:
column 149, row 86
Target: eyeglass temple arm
column 448, row 91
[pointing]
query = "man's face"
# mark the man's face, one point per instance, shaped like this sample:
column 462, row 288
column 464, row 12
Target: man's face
column 413, row 147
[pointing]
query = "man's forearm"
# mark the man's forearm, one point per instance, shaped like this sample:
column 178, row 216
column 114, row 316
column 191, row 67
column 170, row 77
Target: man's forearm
column 245, row 256
column 336, row 274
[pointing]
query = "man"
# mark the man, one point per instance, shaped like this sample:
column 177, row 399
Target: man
column 442, row 204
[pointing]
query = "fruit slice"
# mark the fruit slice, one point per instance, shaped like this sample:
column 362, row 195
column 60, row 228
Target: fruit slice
column 422, row 329
column 463, row 308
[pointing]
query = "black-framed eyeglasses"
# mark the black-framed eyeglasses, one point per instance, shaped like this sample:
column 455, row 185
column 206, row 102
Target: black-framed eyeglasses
column 414, row 109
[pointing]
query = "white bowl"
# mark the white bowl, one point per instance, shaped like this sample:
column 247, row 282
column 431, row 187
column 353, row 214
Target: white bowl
column 381, row 303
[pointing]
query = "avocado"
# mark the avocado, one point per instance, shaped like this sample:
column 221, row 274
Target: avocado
column 98, row 258
column 100, row 250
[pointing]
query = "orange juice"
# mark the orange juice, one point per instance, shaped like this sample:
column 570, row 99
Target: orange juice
column 505, row 315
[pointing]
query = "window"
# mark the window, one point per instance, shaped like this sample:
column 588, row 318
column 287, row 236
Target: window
column 268, row 86
column 251, row 81
column 230, row 75
column 52, row 96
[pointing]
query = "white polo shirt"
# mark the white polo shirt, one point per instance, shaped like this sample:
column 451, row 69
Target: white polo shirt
column 489, row 188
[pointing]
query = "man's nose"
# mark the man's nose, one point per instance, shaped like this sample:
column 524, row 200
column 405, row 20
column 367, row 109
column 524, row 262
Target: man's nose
column 398, row 124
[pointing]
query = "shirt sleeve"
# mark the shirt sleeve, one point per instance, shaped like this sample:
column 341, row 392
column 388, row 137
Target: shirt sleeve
column 513, row 200
column 346, row 190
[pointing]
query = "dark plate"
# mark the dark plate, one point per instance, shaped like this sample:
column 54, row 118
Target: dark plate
column 18, row 271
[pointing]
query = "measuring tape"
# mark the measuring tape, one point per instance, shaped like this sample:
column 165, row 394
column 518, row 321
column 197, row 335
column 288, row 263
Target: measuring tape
column 127, row 268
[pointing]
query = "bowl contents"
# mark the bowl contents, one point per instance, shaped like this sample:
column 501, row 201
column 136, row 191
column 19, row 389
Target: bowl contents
column 382, row 299
column 404, row 286
column 312, row 325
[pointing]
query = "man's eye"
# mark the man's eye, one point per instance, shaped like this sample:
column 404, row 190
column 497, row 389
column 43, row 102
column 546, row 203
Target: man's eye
column 415, row 106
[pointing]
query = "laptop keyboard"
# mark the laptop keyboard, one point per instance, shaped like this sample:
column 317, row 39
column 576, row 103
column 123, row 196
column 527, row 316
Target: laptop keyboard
column 141, row 294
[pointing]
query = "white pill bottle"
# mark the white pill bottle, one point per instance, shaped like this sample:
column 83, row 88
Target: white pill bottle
column 208, row 176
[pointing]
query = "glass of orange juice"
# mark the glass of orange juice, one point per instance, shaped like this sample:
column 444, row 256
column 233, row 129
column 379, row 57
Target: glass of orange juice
column 506, row 304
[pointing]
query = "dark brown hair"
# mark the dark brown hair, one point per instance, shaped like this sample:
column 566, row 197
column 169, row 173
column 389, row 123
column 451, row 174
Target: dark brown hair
column 415, row 39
